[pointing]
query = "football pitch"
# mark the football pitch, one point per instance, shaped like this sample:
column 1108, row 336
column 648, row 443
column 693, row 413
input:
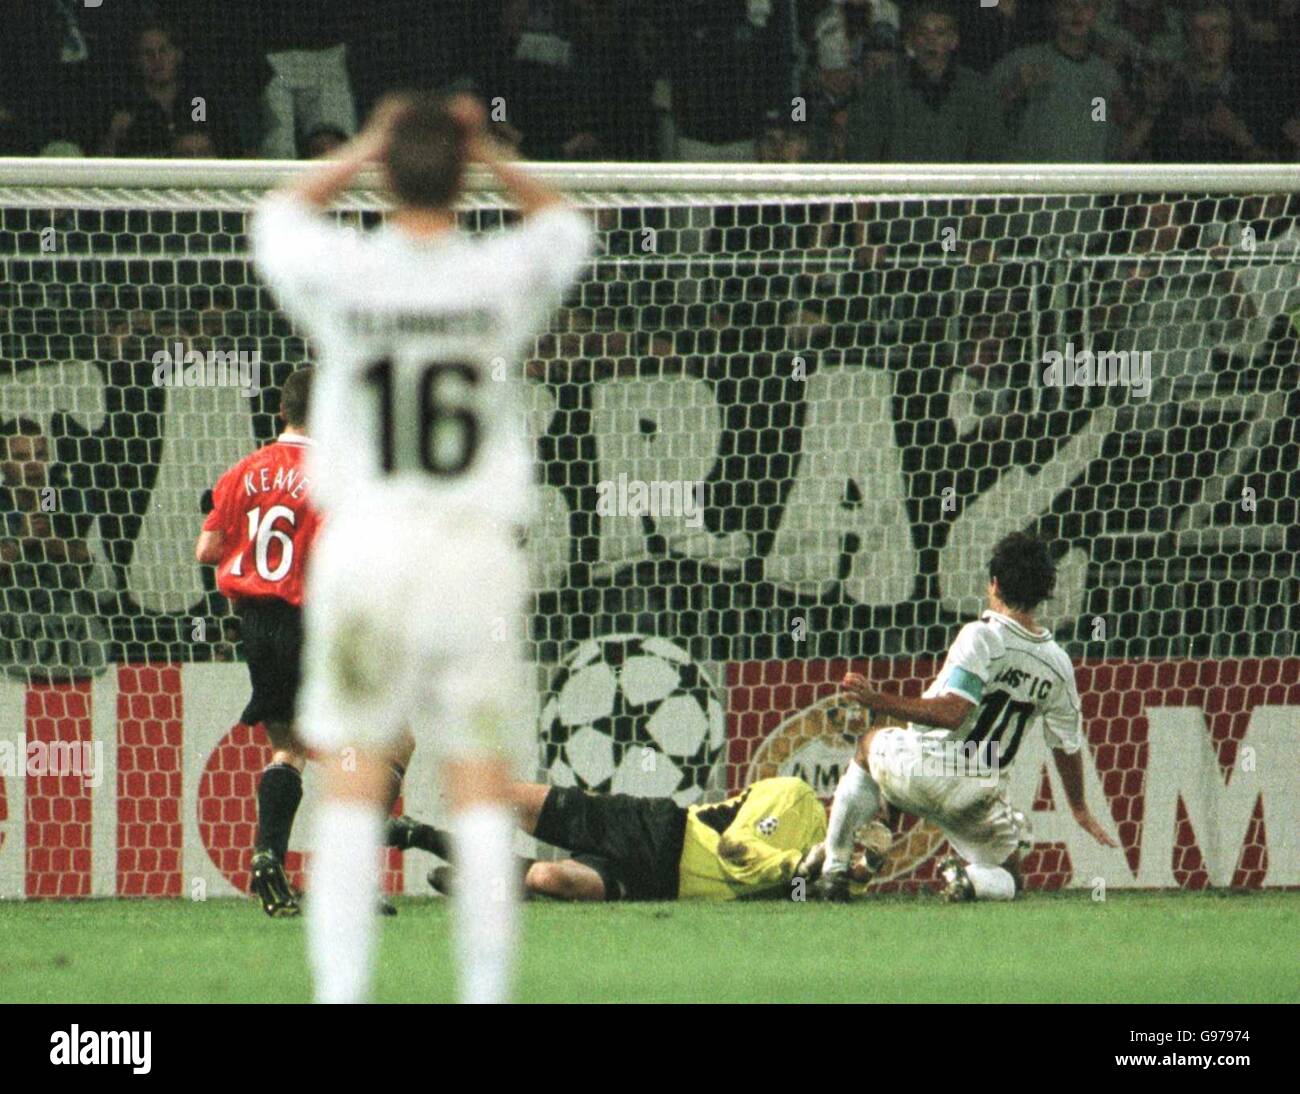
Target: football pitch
column 1132, row 947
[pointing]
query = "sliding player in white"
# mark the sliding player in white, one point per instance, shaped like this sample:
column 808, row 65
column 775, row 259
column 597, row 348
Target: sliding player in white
column 423, row 472
column 1002, row 674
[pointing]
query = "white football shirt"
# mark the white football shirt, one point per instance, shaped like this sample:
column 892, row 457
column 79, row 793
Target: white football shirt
column 1015, row 677
column 417, row 406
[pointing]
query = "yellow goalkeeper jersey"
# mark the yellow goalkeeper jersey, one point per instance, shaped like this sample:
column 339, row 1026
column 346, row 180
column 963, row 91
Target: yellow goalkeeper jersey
column 750, row 843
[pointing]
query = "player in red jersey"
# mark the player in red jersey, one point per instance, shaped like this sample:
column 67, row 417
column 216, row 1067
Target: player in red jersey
column 259, row 534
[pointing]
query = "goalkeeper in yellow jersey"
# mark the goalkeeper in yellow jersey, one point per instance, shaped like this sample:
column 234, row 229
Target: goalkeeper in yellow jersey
column 627, row 848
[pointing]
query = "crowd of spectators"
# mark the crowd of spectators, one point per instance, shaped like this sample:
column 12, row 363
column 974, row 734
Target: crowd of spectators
column 690, row 80
column 48, row 623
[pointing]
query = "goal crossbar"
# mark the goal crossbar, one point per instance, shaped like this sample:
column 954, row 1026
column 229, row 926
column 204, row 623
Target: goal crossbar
column 236, row 184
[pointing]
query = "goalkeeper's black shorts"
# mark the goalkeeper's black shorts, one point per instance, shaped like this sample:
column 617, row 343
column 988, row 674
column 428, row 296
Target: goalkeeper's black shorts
column 634, row 844
column 271, row 632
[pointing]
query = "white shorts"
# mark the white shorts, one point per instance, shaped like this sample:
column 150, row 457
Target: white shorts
column 972, row 811
column 415, row 625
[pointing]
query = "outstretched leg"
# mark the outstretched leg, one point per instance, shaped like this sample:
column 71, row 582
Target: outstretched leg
column 564, row 880
column 526, row 799
column 592, row 878
column 280, row 790
column 279, row 793
column 986, row 843
column 856, row 801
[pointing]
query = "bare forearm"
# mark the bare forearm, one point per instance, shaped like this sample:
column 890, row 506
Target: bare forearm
column 1069, row 765
column 943, row 711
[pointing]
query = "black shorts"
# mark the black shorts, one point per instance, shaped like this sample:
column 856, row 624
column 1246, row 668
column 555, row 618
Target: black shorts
column 634, row 844
column 271, row 631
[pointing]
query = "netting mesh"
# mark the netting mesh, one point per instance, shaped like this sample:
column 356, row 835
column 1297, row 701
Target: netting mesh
column 856, row 392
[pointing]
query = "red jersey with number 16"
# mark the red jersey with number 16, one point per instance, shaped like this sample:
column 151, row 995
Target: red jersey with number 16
column 267, row 521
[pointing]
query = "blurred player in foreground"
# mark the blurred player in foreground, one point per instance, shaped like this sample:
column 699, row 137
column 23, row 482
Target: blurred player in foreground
column 1002, row 674
column 259, row 533
column 423, row 471
column 754, row 844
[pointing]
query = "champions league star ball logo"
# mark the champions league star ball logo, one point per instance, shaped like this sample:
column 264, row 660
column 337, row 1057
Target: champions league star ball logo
column 633, row 715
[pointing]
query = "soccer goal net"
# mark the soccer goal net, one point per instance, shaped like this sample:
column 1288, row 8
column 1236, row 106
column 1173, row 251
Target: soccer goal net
column 778, row 427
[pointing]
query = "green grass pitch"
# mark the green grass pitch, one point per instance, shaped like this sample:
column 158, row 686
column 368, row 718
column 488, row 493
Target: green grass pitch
column 1132, row 947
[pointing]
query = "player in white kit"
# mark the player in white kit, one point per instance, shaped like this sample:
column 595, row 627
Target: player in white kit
column 424, row 475
column 1002, row 675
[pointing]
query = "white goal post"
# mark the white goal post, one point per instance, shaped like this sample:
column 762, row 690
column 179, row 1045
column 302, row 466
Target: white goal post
column 82, row 183
column 778, row 426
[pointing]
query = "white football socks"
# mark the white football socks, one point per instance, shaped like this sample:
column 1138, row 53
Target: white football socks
column 485, row 902
column 856, row 801
column 341, row 905
column 991, row 882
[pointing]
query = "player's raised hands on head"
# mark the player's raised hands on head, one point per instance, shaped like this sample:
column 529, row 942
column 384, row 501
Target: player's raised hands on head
column 379, row 127
column 483, row 143
column 469, row 113
column 320, row 186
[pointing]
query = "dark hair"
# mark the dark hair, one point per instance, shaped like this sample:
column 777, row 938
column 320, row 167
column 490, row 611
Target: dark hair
column 913, row 15
column 155, row 26
column 1024, row 570
column 295, row 397
column 1203, row 7
column 426, row 153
